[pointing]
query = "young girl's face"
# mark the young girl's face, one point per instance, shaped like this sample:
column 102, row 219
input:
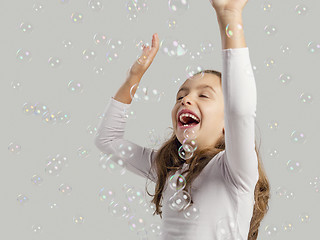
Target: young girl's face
column 207, row 104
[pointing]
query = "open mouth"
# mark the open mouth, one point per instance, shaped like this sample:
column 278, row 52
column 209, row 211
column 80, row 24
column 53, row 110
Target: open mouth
column 188, row 122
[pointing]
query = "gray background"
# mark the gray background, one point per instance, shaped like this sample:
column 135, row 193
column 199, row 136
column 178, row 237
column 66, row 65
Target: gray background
column 280, row 110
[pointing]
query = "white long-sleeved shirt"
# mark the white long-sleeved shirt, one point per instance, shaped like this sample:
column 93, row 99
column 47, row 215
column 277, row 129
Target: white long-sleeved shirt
column 224, row 190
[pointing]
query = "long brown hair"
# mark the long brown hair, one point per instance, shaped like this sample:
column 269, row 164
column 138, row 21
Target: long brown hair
column 167, row 161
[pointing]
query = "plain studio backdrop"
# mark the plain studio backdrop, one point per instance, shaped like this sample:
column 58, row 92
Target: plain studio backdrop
column 54, row 58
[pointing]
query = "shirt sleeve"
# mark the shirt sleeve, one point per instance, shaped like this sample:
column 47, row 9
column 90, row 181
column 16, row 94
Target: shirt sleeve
column 110, row 137
column 240, row 161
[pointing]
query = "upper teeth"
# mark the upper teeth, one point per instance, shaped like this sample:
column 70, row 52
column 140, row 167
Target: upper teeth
column 188, row 115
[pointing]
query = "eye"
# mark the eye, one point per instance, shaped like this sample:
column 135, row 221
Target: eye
column 204, row 96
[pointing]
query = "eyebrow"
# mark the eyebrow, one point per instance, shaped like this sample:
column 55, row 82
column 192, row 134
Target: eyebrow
column 200, row 86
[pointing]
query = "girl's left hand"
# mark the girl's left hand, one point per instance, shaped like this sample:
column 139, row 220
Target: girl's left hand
column 228, row 5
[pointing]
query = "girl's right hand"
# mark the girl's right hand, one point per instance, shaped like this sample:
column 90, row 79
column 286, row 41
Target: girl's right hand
column 141, row 65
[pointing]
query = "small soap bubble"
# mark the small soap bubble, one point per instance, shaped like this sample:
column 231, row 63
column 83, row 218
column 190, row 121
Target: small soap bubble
column 304, row 218
column 36, row 180
column 195, row 55
column 191, row 70
column 54, row 62
column 270, row 30
column 67, row 44
column 16, row 84
column 119, row 210
column 172, row 23
column 107, row 195
column 78, row 219
column 14, row 148
column 76, row 17
column 91, row 130
column 178, row 6
column 134, row 196
column 49, row 117
column 65, row 189
column 315, row 183
column 98, row 70
column 190, row 133
column 113, row 164
column 287, row 227
column 24, row 55
column 302, row 9
column 285, row 79
column 95, row 5
column 273, row 153
column 173, row 182
column 185, row 153
column 75, row 87
column 100, row 39
column 269, row 63
column 62, row 117
column 172, row 47
column 227, row 228
column 273, row 125
column 294, row 166
column 114, row 49
column 36, row 228
column 179, row 200
column 136, row 223
column 26, row 27
column 267, row 7
column 89, row 54
column 298, row 137
column 286, row 50
column 206, row 47
column 22, row 199
column 192, row 212
column 234, row 30
column 28, row 108
column 38, row 7
column 313, row 47
column 40, row 109
column 271, row 230
column 53, row 168
column 83, row 153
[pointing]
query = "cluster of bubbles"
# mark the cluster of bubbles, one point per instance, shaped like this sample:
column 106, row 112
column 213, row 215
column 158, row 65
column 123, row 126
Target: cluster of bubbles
column 125, row 210
column 47, row 116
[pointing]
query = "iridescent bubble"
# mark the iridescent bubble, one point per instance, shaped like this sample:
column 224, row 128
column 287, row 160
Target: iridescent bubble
column 177, row 182
column 83, row 153
column 100, row 39
column 273, row 125
column 287, row 227
column 143, row 93
column 37, row 7
column 304, row 218
column 119, row 210
column 172, row 23
column 92, row 130
column 59, row 160
column 178, row 6
column 301, row 9
column 273, row 153
column 98, row 70
column 191, row 70
column 195, row 55
column 298, row 137
column 270, row 30
column 189, row 144
column 65, row 189
column 78, row 219
column 75, row 87
column 314, row 47
column 132, row 16
column 315, row 183
column 206, row 47
column 190, row 133
column 185, row 153
column 125, row 150
column 134, row 196
column 285, row 49
column 21, row 198
column 130, row 114
column 271, row 230
column 16, row 84
column 267, row 6
column 53, row 205
column 89, row 54
column 76, row 17
column 23, row 55
column 234, row 30
column 54, row 62
column 294, row 166
column 136, row 6
column 67, row 44
column 107, row 195
column 192, row 212
column 155, row 229
column 140, row 41
column 113, row 164
column 136, row 223
column 285, row 79
column 153, row 139
column 95, row 5
column 227, row 228
column 28, row 108
column 14, row 148
column 40, row 109
column 179, row 200
column 36, row 180
column 172, row 47
column 115, row 47
column 53, row 168
column 36, row 228
column 49, row 117
column 26, row 27
column 63, row 117
column 269, row 63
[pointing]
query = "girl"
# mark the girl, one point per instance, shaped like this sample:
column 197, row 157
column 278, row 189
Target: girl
column 224, row 176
